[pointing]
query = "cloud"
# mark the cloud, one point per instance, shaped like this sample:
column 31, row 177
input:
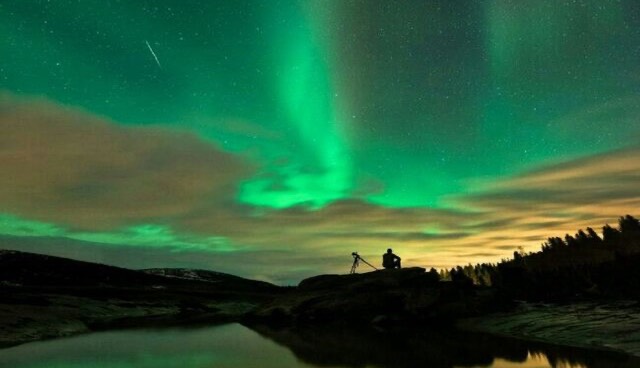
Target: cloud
column 311, row 241
column 484, row 226
column 67, row 166
column 101, row 180
column 339, row 220
column 601, row 179
column 554, row 200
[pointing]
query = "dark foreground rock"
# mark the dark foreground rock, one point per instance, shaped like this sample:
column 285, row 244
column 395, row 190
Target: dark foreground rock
column 45, row 297
column 408, row 295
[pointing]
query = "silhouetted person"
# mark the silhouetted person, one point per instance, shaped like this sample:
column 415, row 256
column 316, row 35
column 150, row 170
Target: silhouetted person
column 390, row 260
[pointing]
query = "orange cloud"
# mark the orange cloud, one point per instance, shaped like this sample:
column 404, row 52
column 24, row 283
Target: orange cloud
column 525, row 209
column 518, row 211
column 67, row 166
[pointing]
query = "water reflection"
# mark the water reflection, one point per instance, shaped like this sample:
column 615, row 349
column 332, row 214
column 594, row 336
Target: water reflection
column 234, row 345
column 353, row 347
column 227, row 346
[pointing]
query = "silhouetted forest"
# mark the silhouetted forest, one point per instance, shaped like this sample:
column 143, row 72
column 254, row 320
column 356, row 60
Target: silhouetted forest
column 583, row 265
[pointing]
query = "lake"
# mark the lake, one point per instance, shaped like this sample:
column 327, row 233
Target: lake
column 234, row 345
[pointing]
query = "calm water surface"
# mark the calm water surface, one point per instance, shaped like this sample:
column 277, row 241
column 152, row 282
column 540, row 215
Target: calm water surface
column 236, row 346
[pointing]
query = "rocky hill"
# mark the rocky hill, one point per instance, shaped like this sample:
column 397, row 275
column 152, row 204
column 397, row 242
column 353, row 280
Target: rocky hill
column 44, row 296
column 218, row 280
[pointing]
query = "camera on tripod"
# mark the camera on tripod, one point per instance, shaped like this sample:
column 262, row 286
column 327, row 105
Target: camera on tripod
column 356, row 262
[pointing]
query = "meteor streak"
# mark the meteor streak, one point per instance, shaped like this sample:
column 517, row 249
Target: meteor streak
column 153, row 53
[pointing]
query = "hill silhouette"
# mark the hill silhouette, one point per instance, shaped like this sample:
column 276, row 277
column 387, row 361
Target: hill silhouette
column 218, row 280
column 30, row 269
column 45, row 296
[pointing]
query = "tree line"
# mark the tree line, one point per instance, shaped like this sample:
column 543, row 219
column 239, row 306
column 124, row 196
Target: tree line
column 581, row 265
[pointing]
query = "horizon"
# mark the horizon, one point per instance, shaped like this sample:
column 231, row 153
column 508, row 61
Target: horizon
column 277, row 138
column 569, row 241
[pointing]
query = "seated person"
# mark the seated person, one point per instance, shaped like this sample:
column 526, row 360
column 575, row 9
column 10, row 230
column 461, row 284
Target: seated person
column 390, row 260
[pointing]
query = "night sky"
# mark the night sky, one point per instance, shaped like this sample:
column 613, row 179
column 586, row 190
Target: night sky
column 270, row 139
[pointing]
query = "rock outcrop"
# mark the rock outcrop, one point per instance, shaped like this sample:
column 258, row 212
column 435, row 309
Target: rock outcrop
column 408, row 295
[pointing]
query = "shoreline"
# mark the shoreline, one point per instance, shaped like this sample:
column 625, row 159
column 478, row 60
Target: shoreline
column 515, row 325
column 605, row 326
column 28, row 315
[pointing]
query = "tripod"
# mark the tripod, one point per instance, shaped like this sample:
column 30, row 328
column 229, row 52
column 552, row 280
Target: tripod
column 356, row 262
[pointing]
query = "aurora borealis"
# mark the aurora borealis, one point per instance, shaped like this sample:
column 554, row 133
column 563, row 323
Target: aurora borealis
column 276, row 137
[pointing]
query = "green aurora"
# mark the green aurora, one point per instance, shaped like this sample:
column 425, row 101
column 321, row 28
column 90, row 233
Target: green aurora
column 452, row 131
